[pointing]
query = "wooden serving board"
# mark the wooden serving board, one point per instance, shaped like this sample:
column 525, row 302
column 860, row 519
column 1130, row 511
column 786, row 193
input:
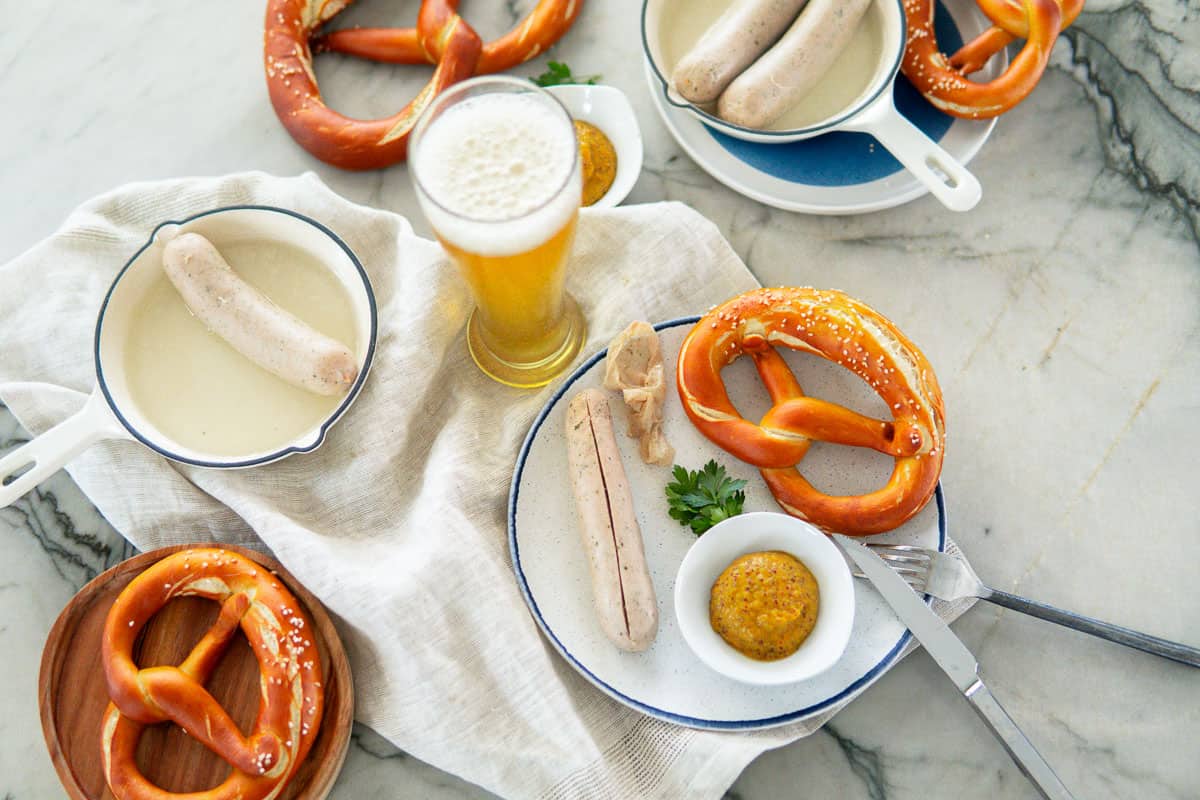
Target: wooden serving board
column 72, row 693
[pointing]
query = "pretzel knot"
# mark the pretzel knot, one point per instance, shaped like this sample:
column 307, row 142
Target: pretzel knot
column 840, row 329
column 442, row 38
column 279, row 632
column 942, row 80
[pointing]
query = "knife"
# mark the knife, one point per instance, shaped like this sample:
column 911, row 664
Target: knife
column 957, row 662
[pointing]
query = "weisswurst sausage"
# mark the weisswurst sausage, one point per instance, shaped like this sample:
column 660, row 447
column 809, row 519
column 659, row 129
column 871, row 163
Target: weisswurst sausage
column 740, row 35
column 251, row 323
column 622, row 590
column 789, row 70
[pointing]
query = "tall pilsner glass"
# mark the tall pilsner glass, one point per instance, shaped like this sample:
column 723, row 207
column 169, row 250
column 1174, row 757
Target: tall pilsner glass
column 496, row 168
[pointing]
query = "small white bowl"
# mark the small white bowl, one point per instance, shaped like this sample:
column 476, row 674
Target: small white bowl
column 608, row 109
column 753, row 533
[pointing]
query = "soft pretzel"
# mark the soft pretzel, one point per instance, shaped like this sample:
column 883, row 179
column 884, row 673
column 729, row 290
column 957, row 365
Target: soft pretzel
column 279, row 632
column 442, row 38
column 328, row 135
column 541, row 28
column 942, row 81
column 1009, row 24
column 840, row 329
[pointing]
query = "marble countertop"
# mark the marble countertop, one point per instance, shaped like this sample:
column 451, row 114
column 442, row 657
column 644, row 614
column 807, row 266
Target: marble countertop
column 1062, row 314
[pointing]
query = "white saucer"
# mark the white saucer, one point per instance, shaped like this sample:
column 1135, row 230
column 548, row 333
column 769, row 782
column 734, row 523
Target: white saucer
column 837, row 173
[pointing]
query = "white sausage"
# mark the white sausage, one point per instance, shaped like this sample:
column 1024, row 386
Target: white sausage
column 740, row 35
column 622, row 591
column 790, row 69
column 253, row 325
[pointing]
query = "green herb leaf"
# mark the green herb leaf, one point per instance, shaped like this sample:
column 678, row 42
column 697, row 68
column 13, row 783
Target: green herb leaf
column 701, row 499
column 557, row 73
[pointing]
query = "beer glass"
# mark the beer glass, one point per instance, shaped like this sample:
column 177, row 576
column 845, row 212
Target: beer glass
column 495, row 164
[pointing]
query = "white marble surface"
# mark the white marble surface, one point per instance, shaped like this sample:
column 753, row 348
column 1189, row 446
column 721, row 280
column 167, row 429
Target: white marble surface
column 1062, row 316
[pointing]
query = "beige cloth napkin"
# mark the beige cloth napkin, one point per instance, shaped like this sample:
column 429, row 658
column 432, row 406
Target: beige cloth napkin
column 398, row 522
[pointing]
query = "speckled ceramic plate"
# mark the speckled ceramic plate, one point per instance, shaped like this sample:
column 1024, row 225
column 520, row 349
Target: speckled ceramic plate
column 668, row 681
column 840, row 172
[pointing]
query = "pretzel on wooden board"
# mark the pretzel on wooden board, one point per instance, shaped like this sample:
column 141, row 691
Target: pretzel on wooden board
column 441, row 37
column 833, row 326
column 280, row 634
column 942, row 81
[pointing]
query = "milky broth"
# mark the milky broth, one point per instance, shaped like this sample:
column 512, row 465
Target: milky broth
column 845, row 82
column 200, row 392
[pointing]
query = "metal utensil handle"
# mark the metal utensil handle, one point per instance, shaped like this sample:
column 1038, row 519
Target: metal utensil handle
column 1105, row 630
column 1020, row 748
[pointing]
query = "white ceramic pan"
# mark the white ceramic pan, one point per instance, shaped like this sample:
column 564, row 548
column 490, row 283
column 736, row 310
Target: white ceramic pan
column 111, row 412
column 873, row 111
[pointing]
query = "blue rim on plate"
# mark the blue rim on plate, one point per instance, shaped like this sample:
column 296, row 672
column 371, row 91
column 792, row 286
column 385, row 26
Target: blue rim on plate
column 278, row 454
column 692, row 722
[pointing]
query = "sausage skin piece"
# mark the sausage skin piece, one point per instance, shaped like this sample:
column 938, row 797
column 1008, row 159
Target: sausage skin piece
column 251, row 323
column 797, row 62
column 622, row 591
column 740, row 35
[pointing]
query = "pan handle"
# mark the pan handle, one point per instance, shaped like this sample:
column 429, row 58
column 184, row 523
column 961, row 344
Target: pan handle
column 941, row 173
column 42, row 456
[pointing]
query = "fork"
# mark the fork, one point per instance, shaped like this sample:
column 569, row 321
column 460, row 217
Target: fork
column 949, row 577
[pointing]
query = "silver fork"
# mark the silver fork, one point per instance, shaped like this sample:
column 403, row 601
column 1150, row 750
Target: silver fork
column 951, row 578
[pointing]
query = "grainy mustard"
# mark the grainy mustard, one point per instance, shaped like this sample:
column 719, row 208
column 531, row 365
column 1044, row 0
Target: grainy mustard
column 599, row 161
column 765, row 605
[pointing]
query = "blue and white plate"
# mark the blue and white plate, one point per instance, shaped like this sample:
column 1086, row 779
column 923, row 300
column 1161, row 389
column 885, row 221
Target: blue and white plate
column 841, row 172
column 668, row 681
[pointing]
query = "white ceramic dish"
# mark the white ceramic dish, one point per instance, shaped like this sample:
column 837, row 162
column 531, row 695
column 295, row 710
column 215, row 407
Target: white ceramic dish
column 873, row 111
column 111, row 412
column 753, row 533
column 608, row 109
column 668, row 681
column 840, row 172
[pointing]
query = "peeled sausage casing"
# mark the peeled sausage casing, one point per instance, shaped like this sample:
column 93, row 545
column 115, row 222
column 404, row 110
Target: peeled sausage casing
column 622, row 590
column 251, row 323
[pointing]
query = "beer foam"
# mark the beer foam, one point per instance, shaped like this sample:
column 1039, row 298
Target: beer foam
column 494, row 166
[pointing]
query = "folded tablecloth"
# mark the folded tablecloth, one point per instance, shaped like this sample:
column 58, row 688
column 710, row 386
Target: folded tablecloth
column 397, row 523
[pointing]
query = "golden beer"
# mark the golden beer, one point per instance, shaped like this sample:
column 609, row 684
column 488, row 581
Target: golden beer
column 496, row 168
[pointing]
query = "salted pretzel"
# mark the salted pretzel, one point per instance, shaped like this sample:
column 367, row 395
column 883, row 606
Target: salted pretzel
column 279, row 632
column 542, row 27
column 840, row 329
column 942, row 81
column 441, row 37
column 1010, row 23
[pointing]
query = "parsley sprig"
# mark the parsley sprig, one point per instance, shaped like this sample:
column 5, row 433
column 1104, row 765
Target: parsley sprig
column 557, row 73
column 702, row 499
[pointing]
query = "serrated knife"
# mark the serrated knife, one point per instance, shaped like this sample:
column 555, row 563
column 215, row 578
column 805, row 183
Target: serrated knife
column 957, row 662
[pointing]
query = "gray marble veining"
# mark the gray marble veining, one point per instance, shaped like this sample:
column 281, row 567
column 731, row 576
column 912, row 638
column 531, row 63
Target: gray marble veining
column 1138, row 63
column 1062, row 316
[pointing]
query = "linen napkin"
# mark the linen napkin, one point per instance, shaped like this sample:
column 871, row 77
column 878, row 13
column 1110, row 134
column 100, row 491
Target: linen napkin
column 397, row 523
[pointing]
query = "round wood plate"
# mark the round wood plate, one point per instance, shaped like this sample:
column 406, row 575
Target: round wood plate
column 72, row 693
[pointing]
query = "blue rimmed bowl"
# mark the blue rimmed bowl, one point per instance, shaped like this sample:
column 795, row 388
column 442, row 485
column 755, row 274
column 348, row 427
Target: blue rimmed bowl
column 112, row 413
column 872, row 111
